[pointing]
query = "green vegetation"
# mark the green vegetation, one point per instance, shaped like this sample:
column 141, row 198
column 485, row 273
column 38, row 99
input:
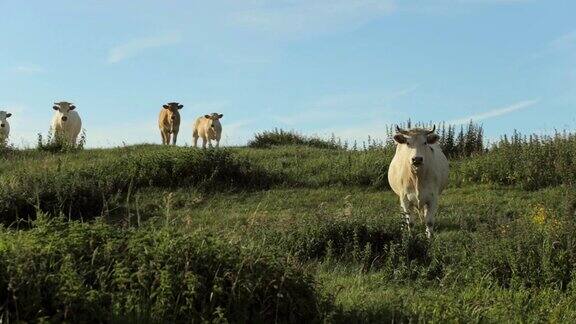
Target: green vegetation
column 57, row 144
column 279, row 137
column 290, row 233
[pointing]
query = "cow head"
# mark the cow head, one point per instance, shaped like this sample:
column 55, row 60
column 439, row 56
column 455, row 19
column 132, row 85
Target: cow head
column 3, row 116
column 63, row 109
column 416, row 144
column 214, row 119
column 172, row 110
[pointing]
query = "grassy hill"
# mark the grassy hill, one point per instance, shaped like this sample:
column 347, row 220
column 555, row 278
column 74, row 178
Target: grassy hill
column 287, row 233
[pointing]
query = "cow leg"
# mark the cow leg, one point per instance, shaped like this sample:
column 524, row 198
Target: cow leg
column 209, row 143
column 217, row 143
column 429, row 213
column 195, row 140
column 163, row 137
column 407, row 211
column 174, row 137
column 204, row 140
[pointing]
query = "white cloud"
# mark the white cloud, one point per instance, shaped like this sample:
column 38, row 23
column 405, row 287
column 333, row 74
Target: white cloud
column 28, row 69
column 299, row 17
column 495, row 113
column 136, row 46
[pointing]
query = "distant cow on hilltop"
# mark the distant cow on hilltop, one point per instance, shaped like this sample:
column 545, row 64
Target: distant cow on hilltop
column 4, row 126
column 169, row 122
column 66, row 122
column 418, row 173
column 208, row 127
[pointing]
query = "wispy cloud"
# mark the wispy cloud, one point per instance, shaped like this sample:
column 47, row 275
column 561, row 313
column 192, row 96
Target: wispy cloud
column 311, row 16
column 403, row 92
column 27, row 69
column 567, row 40
column 496, row 112
column 561, row 44
column 339, row 106
column 136, row 46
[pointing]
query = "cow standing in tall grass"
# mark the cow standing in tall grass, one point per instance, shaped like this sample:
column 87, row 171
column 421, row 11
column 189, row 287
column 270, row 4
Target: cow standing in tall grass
column 66, row 122
column 4, row 127
column 169, row 122
column 208, row 127
column 418, row 173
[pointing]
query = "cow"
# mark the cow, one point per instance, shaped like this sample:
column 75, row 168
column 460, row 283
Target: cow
column 66, row 122
column 418, row 174
column 169, row 122
column 209, row 128
column 4, row 127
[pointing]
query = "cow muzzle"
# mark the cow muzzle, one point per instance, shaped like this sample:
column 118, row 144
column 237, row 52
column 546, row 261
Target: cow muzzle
column 417, row 161
column 64, row 118
column 2, row 125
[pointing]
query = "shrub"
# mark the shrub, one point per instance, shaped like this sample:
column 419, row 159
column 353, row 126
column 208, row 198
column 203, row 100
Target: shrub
column 530, row 162
column 279, row 137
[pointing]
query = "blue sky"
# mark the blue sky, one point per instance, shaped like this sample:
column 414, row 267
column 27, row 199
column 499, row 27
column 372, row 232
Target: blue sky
column 348, row 67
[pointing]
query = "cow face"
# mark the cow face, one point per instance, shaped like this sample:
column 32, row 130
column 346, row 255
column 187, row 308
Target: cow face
column 416, row 144
column 63, row 110
column 172, row 110
column 214, row 119
column 3, row 116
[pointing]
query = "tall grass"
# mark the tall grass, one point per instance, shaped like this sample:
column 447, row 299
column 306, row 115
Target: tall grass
column 532, row 162
column 79, row 272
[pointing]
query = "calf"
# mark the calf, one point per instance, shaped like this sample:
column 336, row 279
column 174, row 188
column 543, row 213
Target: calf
column 208, row 127
column 169, row 122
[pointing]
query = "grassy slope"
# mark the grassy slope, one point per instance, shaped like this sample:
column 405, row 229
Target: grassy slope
column 333, row 213
column 469, row 217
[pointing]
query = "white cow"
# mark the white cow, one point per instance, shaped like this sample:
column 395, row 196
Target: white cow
column 4, row 127
column 209, row 128
column 66, row 123
column 418, row 173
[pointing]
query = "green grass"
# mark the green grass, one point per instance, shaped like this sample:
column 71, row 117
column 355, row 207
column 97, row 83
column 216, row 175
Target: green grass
column 287, row 234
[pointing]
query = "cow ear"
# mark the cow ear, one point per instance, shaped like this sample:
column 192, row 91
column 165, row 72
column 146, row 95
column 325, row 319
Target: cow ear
column 432, row 138
column 8, row 115
column 72, row 107
column 55, row 107
column 220, row 116
column 180, row 106
column 208, row 116
column 400, row 139
column 166, row 106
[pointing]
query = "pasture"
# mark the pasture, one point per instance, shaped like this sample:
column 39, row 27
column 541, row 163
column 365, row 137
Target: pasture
column 308, row 232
